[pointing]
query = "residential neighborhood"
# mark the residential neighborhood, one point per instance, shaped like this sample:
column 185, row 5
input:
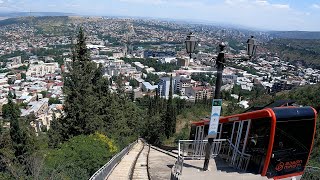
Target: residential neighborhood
column 34, row 77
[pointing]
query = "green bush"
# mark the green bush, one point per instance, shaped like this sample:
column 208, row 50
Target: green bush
column 79, row 157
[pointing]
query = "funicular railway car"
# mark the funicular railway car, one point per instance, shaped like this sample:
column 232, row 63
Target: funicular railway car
column 276, row 142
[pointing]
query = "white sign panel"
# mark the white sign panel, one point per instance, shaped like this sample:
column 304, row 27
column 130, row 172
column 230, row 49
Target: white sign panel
column 214, row 119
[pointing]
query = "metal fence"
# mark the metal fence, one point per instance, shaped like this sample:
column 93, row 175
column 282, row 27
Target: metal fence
column 195, row 149
column 311, row 173
column 106, row 170
column 234, row 157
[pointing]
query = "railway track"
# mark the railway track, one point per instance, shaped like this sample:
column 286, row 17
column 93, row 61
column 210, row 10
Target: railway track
column 139, row 168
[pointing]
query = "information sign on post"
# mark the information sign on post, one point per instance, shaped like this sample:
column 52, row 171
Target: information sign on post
column 214, row 119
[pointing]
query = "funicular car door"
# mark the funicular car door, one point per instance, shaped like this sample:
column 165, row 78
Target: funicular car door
column 258, row 143
column 294, row 133
column 291, row 147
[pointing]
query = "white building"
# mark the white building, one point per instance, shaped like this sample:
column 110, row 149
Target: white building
column 14, row 62
column 146, row 86
column 42, row 69
column 168, row 60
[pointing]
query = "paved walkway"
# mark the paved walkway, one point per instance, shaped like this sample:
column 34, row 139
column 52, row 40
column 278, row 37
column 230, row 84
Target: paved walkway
column 122, row 170
column 160, row 165
column 192, row 169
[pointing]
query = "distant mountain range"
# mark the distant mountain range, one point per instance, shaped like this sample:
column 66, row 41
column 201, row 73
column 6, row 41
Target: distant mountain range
column 39, row 20
column 296, row 34
column 24, row 14
column 275, row 34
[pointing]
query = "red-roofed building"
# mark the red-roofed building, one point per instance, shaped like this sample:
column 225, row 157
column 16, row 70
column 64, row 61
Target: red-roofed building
column 62, row 68
column 59, row 84
column 49, row 76
column 50, row 85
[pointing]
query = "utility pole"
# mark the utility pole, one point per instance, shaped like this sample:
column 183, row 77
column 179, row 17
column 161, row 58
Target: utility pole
column 220, row 65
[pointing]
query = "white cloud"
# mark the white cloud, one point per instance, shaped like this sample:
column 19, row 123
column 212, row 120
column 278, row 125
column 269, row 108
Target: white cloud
column 190, row 4
column 175, row 3
column 262, row 2
column 256, row 4
column 155, row 2
column 316, row 6
column 235, row 2
column 74, row 5
column 52, row 5
column 264, row 14
column 281, row 6
column 8, row 5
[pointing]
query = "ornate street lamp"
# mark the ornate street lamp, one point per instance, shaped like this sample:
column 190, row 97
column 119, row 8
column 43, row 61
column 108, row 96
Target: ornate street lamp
column 220, row 62
column 191, row 43
column 251, row 46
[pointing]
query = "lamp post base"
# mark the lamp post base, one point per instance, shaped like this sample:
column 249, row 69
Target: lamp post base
column 208, row 154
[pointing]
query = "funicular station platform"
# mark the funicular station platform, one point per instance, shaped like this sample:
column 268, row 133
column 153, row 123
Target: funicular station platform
column 270, row 143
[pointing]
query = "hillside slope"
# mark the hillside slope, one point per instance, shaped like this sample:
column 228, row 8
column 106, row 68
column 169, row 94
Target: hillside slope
column 296, row 34
column 307, row 96
column 306, row 52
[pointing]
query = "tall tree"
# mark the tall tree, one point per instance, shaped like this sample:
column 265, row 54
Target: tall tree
column 80, row 85
column 55, row 133
column 10, row 95
column 16, row 134
column 20, row 134
column 1, row 127
column 88, row 100
column 170, row 117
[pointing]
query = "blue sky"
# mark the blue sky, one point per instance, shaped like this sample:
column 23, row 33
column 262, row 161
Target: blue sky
column 262, row 14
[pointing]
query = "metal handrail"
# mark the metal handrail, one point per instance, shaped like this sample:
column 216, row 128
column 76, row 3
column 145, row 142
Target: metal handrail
column 237, row 150
column 148, row 160
column 198, row 147
column 235, row 157
column 106, row 169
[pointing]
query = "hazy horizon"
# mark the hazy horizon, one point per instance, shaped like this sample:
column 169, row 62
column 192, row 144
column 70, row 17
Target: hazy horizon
column 283, row 15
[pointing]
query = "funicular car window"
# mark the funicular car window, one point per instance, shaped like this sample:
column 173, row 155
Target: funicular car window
column 291, row 147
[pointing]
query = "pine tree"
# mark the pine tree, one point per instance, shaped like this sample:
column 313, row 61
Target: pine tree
column 82, row 93
column 170, row 117
column 88, row 99
column 132, row 95
column 10, row 95
column 19, row 141
column 1, row 127
column 157, row 102
column 55, row 133
column 18, row 132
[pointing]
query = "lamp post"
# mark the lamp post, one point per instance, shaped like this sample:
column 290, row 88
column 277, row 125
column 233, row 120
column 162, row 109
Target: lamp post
column 220, row 62
column 190, row 43
column 251, row 47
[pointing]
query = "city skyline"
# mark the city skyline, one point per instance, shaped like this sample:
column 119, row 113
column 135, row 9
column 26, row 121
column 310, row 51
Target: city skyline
column 260, row 14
